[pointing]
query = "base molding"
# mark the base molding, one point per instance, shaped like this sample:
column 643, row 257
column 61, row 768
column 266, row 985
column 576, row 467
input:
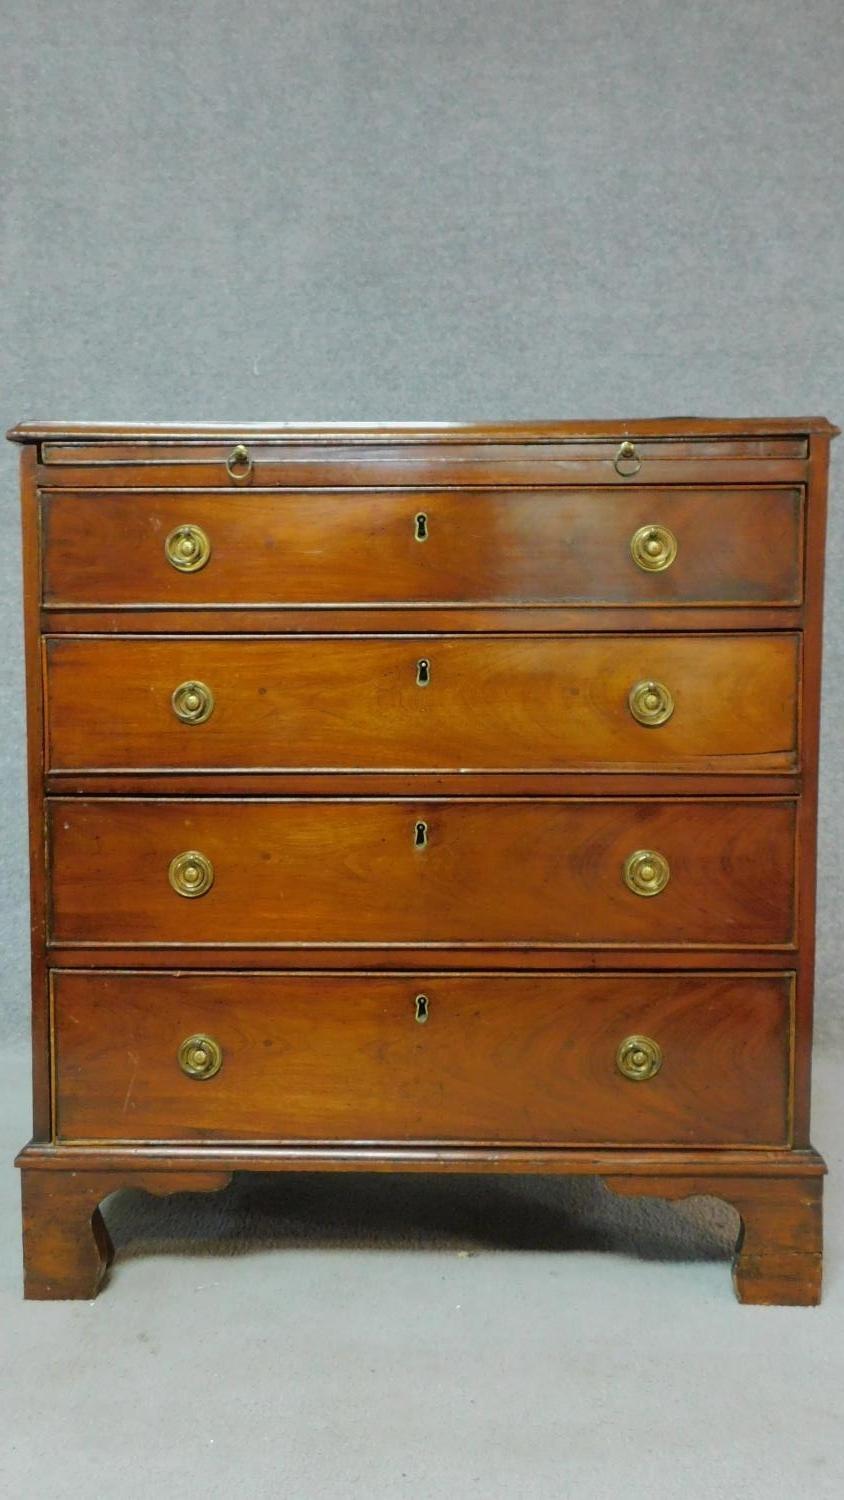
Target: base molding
column 582, row 1161
column 777, row 1195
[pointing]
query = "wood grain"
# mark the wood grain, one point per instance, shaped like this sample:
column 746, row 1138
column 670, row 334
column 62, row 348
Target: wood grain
column 383, row 468
column 388, row 958
column 430, row 446
column 779, row 1254
column 516, row 1058
column 67, row 1249
column 535, row 704
column 778, row 1259
column 519, row 872
column 740, row 546
column 640, row 1163
column 405, row 619
column 306, row 784
column 35, row 752
column 401, row 434
column 808, row 807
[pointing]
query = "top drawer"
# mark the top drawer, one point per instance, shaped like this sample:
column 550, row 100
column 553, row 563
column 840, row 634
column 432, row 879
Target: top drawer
column 624, row 462
column 647, row 546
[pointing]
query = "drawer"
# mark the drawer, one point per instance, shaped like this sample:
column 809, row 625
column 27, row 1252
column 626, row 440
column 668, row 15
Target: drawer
column 529, row 703
column 694, row 547
column 505, row 1058
column 479, row 872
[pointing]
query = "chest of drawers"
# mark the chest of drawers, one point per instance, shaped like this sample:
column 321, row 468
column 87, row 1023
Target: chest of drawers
column 424, row 799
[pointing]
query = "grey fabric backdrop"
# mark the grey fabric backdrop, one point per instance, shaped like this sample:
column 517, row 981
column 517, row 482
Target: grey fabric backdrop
column 363, row 210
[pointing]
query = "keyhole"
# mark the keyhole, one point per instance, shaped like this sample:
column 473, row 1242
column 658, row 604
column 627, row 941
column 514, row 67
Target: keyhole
column 420, row 835
column 423, row 671
column 421, row 1009
column 421, row 527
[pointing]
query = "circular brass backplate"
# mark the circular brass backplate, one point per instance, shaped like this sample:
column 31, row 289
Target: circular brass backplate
column 650, row 703
column 653, row 548
column 646, row 872
column 639, row 1058
column 193, row 702
column 191, row 873
column 200, row 1057
column 187, row 548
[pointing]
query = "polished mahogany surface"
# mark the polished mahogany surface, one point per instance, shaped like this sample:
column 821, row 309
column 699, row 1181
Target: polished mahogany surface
column 542, row 546
column 426, row 798
column 494, row 1058
column 424, row 703
column 481, row 871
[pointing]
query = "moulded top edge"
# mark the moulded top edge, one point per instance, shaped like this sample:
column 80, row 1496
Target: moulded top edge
column 414, row 432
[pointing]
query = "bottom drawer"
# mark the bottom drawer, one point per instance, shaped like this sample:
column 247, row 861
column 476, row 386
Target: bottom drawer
column 504, row 1058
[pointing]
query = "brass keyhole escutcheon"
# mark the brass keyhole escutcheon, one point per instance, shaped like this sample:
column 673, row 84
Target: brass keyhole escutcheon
column 420, row 835
column 423, row 672
column 650, row 703
column 639, row 1058
column 239, row 464
column 187, row 548
column 200, row 1057
column 627, row 461
column 421, row 527
column 653, row 548
column 192, row 702
column 422, row 1005
column 646, row 872
column 191, row 874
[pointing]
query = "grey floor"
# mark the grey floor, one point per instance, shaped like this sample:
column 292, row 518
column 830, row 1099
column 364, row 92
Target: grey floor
column 324, row 1338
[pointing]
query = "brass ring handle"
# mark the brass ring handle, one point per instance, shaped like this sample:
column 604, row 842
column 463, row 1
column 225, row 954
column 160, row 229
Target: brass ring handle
column 200, row 1057
column 192, row 702
column 646, row 872
column 639, row 1058
column 187, row 548
column 239, row 464
column 653, row 548
column 650, row 703
column 191, row 874
column 628, row 456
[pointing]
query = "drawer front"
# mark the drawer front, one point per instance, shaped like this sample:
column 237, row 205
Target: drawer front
column 498, row 1058
column 484, row 873
column 424, row 703
column 719, row 546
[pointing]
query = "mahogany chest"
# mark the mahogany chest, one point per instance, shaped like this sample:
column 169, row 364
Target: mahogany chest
column 426, row 798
